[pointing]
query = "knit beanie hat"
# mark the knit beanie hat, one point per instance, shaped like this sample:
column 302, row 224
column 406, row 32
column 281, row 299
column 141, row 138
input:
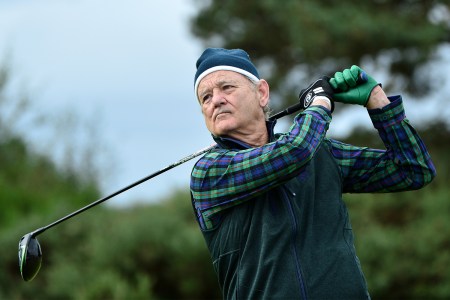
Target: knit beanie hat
column 216, row 59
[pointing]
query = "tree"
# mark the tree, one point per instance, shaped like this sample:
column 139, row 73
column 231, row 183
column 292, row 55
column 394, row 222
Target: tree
column 31, row 182
column 401, row 238
column 152, row 251
column 292, row 40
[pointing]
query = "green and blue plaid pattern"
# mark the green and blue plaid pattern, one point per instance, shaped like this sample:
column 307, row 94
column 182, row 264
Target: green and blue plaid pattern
column 226, row 177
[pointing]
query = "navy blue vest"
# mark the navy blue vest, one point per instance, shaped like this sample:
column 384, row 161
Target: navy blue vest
column 293, row 242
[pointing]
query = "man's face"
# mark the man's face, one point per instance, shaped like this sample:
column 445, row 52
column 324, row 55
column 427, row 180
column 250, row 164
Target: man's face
column 231, row 104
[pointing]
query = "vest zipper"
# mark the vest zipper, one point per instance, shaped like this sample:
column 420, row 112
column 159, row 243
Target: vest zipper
column 294, row 239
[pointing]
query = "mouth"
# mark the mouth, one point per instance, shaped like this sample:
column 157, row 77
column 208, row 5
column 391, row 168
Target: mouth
column 221, row 114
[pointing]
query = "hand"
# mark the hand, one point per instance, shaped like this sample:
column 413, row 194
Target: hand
column 320, row 89
column 350, row 89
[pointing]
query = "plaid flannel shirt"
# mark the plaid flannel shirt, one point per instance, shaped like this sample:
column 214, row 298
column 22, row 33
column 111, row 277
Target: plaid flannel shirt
column 223, row 178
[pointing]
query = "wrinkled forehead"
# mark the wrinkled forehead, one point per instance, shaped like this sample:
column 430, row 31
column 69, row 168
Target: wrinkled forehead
column 218, row 78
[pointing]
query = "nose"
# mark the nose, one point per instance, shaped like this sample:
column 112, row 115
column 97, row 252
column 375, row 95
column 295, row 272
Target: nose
column 218, row 98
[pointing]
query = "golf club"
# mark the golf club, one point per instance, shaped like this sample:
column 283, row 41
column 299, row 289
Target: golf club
column 30, row 252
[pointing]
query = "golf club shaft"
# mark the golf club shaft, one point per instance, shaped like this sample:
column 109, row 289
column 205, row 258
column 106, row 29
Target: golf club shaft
column 289, row 110
column 181, row 161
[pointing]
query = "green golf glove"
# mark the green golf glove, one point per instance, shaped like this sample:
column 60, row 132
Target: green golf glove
column 350, row 88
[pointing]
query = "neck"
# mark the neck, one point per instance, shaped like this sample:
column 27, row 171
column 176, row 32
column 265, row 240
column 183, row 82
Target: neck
column 254, row 137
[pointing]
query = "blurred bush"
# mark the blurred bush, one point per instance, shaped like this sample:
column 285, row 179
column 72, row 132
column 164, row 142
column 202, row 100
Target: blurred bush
column 152, row 251
column 156, row 251
column 402, row 239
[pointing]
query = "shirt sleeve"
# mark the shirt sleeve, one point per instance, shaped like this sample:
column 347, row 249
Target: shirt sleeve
column 405, row 164
column 224, row 178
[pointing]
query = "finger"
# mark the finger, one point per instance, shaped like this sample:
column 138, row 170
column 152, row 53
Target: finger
column 333, row 83
column 356, row 71
column 340, row 81
column 349, row 78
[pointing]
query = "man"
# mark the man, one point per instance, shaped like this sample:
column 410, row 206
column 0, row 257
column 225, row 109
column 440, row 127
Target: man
column 270, row 206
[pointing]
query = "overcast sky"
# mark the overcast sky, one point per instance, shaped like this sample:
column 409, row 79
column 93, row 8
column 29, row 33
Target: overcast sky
column 127, row 66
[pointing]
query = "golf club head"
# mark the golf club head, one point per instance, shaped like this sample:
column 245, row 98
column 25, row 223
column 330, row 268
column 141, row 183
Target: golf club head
column 30, row 256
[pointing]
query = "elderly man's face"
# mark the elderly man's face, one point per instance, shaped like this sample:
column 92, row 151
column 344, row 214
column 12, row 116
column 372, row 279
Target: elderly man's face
column 231, row 104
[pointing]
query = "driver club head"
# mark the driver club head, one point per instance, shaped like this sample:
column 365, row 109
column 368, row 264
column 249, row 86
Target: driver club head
column 30, row 256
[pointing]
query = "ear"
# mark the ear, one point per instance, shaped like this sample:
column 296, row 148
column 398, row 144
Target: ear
column 263, row 90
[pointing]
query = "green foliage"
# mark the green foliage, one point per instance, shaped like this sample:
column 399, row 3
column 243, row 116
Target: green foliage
column 31, row 184
column 147, row 252
column 320, row 37
column 156, row 251
column 402, row 241
column 403, row 238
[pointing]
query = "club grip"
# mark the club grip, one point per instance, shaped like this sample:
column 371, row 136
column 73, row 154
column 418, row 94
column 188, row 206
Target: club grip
column 296, row 107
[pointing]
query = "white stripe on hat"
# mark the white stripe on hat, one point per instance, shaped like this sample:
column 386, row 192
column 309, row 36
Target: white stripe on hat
column 223, row 68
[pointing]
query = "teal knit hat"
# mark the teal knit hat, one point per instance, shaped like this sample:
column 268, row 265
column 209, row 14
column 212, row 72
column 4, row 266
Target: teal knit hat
column 216, row 59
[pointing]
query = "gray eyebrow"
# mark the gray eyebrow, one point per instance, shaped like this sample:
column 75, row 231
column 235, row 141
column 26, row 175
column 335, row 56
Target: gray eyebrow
column 218, row 83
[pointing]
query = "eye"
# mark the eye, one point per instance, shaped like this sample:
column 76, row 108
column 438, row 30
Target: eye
column 206, row 98
column 228, row 87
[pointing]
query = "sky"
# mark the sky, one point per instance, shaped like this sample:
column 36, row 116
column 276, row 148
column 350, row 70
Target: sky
column 126, row 68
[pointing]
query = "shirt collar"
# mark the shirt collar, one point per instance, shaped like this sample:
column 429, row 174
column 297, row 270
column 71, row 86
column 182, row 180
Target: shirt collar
column 230, row 143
